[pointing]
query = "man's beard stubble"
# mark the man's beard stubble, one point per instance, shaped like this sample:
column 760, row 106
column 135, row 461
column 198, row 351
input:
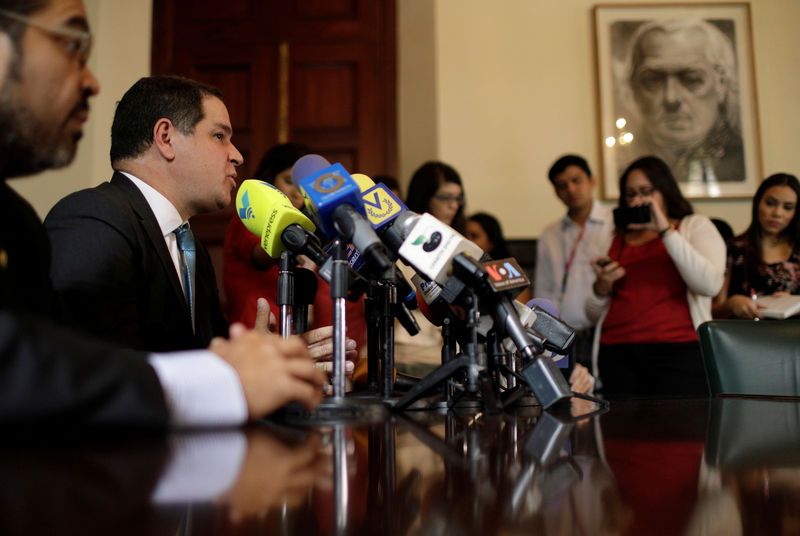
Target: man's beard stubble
column 27, row 145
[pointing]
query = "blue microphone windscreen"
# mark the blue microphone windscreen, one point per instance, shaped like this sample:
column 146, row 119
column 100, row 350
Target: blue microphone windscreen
column 545, row 304
column 308, row 165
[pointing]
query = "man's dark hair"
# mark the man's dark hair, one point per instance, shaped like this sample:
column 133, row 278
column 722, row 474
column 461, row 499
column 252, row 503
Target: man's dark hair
column 564, row 162
column 278, row 158
column 178, row 99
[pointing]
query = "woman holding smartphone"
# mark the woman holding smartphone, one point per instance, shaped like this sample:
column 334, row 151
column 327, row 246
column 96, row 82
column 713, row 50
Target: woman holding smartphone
column 654, row 288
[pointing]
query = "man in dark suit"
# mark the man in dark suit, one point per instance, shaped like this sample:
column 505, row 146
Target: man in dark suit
column 49, row 375
column 116, row 262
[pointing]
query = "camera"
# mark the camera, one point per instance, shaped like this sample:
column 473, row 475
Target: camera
column 625, row 215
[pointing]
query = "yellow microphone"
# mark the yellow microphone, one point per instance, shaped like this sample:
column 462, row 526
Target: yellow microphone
column 266, row 212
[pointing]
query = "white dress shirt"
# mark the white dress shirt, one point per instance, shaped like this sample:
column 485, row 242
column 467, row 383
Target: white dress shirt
column 553, row 250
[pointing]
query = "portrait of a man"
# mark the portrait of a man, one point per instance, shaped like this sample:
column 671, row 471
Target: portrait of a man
column 680, row 99
column 677, row 81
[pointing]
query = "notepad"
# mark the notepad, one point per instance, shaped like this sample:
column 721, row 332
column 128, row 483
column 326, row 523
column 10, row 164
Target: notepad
column 782, row 306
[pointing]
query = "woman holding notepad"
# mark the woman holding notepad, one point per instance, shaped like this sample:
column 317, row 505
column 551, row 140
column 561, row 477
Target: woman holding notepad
column 764, row 261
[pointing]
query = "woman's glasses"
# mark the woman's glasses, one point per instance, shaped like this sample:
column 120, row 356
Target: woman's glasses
column 445, row 198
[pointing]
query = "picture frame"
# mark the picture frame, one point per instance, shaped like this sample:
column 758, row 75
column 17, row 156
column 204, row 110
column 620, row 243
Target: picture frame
column 678, row 81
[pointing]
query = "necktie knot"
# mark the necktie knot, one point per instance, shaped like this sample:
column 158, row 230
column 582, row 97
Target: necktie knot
column 185, row 237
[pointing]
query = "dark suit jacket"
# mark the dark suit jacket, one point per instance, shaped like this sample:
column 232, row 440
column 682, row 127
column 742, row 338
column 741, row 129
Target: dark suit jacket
column 113, row 272
column 49, row 375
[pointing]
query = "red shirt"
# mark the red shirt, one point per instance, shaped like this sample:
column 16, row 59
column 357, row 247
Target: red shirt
column 648, row 305
column 244, row 284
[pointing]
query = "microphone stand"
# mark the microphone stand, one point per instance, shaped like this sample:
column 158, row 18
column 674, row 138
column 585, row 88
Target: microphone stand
column 338, row 296
column 448, row 355
column 372, row 317
column 387, row 308
column 338, row 408
column 471, row 361
column 286, row 293
column 305, row 290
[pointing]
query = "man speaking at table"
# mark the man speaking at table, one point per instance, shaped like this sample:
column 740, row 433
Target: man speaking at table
column 49, row 375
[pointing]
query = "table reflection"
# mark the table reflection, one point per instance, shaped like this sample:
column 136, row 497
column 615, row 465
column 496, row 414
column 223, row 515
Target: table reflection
column 684, row 467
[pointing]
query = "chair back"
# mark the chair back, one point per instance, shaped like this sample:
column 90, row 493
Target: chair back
column 742, row 357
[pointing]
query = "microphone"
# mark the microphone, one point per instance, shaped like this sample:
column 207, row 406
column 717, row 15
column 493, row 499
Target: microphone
column 382, row 207
column 266, row 212
column 430, row 246
column 380, row 204
column 541, row 374
column 558, row 334
column 334, row 200
column 305, row 291
column 428, row 293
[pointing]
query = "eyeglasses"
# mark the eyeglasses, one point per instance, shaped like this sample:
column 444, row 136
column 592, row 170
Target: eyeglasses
column 445, row 198
column 644, row 192
column 78, row 43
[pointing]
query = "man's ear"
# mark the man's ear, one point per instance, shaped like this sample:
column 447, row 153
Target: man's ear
column 593, row 180
column 164, row 134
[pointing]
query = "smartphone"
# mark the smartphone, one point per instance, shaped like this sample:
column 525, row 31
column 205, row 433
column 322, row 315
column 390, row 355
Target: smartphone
column 625, row 215
column 603, row 261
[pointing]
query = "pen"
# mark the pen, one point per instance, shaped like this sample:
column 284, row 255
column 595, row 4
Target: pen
column 754, row 297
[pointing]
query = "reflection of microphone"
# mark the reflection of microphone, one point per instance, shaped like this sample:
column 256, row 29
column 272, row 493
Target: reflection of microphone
column 334, row 200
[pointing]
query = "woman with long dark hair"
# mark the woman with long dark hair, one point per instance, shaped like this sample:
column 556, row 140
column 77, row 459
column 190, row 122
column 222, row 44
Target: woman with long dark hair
column 436, row 188
column 765, row 259
column 654, row 288
column 486, row 232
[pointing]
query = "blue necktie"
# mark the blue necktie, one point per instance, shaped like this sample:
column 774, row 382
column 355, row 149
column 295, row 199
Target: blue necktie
column 187, row 248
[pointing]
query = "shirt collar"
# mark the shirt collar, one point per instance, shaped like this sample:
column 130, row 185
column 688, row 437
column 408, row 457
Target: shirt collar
column 166, row 214
column 598, row 214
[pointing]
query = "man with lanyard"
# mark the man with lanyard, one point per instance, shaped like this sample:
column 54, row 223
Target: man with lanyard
column 566, row 247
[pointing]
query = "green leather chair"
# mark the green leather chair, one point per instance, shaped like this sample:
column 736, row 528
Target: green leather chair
column 742, row 357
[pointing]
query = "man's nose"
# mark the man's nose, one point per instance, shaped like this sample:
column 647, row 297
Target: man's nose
column 90, row 84
column 236, row 157
column 672, row 93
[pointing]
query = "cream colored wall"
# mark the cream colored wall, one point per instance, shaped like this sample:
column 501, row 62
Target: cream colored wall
column 499, row 89
column 515, row 89
column 120, row 56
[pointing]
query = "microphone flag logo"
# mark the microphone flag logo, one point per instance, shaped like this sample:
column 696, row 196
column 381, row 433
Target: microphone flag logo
column 431, row 244
column 330, row 182
column 246, row 210
column 505, row 274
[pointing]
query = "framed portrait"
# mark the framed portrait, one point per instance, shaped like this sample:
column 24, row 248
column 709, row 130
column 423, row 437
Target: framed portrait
column 677, row 81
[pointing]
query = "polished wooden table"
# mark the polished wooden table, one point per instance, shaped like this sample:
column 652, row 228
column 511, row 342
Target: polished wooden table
column 682, row 467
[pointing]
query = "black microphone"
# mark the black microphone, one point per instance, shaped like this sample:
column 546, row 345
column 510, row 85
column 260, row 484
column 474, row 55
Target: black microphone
column 305, row 290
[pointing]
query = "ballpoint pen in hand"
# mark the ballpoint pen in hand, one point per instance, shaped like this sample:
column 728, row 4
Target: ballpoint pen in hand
column 754, row 297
